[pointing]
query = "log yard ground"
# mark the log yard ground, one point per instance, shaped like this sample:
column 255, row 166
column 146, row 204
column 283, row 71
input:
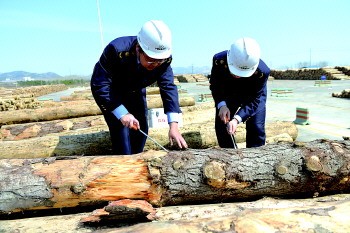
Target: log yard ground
column 328, row 118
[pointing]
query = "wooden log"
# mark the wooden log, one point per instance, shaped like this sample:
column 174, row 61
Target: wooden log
column 191, row 114
column 95, row 143
column 202, row 135
column 169, row 217
column 39, row 129
column 48, row 114
column 68, row 109
column 96, row 140
column 192, row 176
column 156, row 102
column 326, row 217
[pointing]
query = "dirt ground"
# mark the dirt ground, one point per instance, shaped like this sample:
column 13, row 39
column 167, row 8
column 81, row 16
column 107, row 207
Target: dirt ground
column 329, row 118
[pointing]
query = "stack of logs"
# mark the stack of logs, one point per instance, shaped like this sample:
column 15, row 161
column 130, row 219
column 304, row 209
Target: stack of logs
column 344, row 94
column 301, row 74
column 19, row 102
column 58, row 158
column 25, row 98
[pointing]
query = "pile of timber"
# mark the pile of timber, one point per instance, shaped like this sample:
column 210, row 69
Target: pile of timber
column 344, row 94
column 35, row 90
column 23, row 101
column 150, row 197
column 302, row 74
column 59, row 138
column 69, row 109
column 87, row 95
column 25, row 97
column 64, row 130
column 191, row 78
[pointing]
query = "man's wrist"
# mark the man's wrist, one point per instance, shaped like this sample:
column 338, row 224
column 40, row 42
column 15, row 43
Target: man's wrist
column 237, row 118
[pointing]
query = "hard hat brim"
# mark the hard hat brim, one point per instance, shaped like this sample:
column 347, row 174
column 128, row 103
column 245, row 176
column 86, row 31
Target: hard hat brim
column 242, row 73
column 151, row 54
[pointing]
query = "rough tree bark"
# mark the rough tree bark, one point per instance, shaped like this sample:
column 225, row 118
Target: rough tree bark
column 322, row 214
column 326, row 217
column 179, row 177
column 96, row 140
column 38, row 129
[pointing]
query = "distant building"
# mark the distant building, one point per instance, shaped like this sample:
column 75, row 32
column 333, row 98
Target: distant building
column 28, row 78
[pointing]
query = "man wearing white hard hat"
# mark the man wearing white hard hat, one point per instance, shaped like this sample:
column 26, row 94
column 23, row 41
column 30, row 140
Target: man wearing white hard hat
column 238, row 82
column 126, row 67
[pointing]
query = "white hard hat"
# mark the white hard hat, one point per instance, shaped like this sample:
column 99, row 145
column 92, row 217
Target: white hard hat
column 243, row 57
column 155, row 39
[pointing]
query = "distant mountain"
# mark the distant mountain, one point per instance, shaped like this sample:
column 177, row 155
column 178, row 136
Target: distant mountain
column 19, row 76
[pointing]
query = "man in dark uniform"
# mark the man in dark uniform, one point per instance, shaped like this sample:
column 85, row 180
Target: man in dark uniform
column 126, row 67
column 238, row 84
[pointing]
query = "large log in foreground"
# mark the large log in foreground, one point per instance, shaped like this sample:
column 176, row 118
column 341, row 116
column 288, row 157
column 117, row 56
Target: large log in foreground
column 178, row 177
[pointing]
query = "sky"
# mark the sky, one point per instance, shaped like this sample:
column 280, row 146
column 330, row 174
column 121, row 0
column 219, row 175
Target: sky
column 68, row 36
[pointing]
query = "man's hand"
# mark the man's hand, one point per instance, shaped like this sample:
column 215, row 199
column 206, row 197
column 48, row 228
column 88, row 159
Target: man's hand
column 224, row 114
column 175, row 136
column 130, row 121
column 231, row 126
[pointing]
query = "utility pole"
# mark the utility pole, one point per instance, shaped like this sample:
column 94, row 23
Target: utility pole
column 100, row 23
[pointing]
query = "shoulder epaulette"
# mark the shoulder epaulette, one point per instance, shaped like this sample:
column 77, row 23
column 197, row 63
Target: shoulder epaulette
column 124, row 54
column 220, row 62
column 168, row 60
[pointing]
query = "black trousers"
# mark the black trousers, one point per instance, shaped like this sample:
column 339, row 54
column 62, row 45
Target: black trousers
column 255, row 130
column 127, row 141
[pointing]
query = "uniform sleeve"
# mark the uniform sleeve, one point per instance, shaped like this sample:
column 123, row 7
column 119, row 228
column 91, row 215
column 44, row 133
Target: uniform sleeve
column 101, row 80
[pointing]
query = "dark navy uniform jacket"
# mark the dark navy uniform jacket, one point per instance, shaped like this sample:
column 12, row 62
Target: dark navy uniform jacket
column 118, row 74
column 248, row 93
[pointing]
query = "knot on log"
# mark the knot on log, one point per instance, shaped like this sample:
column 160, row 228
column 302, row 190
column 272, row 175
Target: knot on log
column 178, row 164
column 281, row 169
column 78, row 188
column 338, row 148
column 313, row 163
column 215, row 173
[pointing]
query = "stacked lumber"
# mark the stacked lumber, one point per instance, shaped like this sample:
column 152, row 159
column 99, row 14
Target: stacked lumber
column 24, row 101
column 344, row 94
column 302, row 74
column 39, row 90
column 70, row 109
column 87, row 95
column 25, row 97
column 191, row 78
column 95, row 140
